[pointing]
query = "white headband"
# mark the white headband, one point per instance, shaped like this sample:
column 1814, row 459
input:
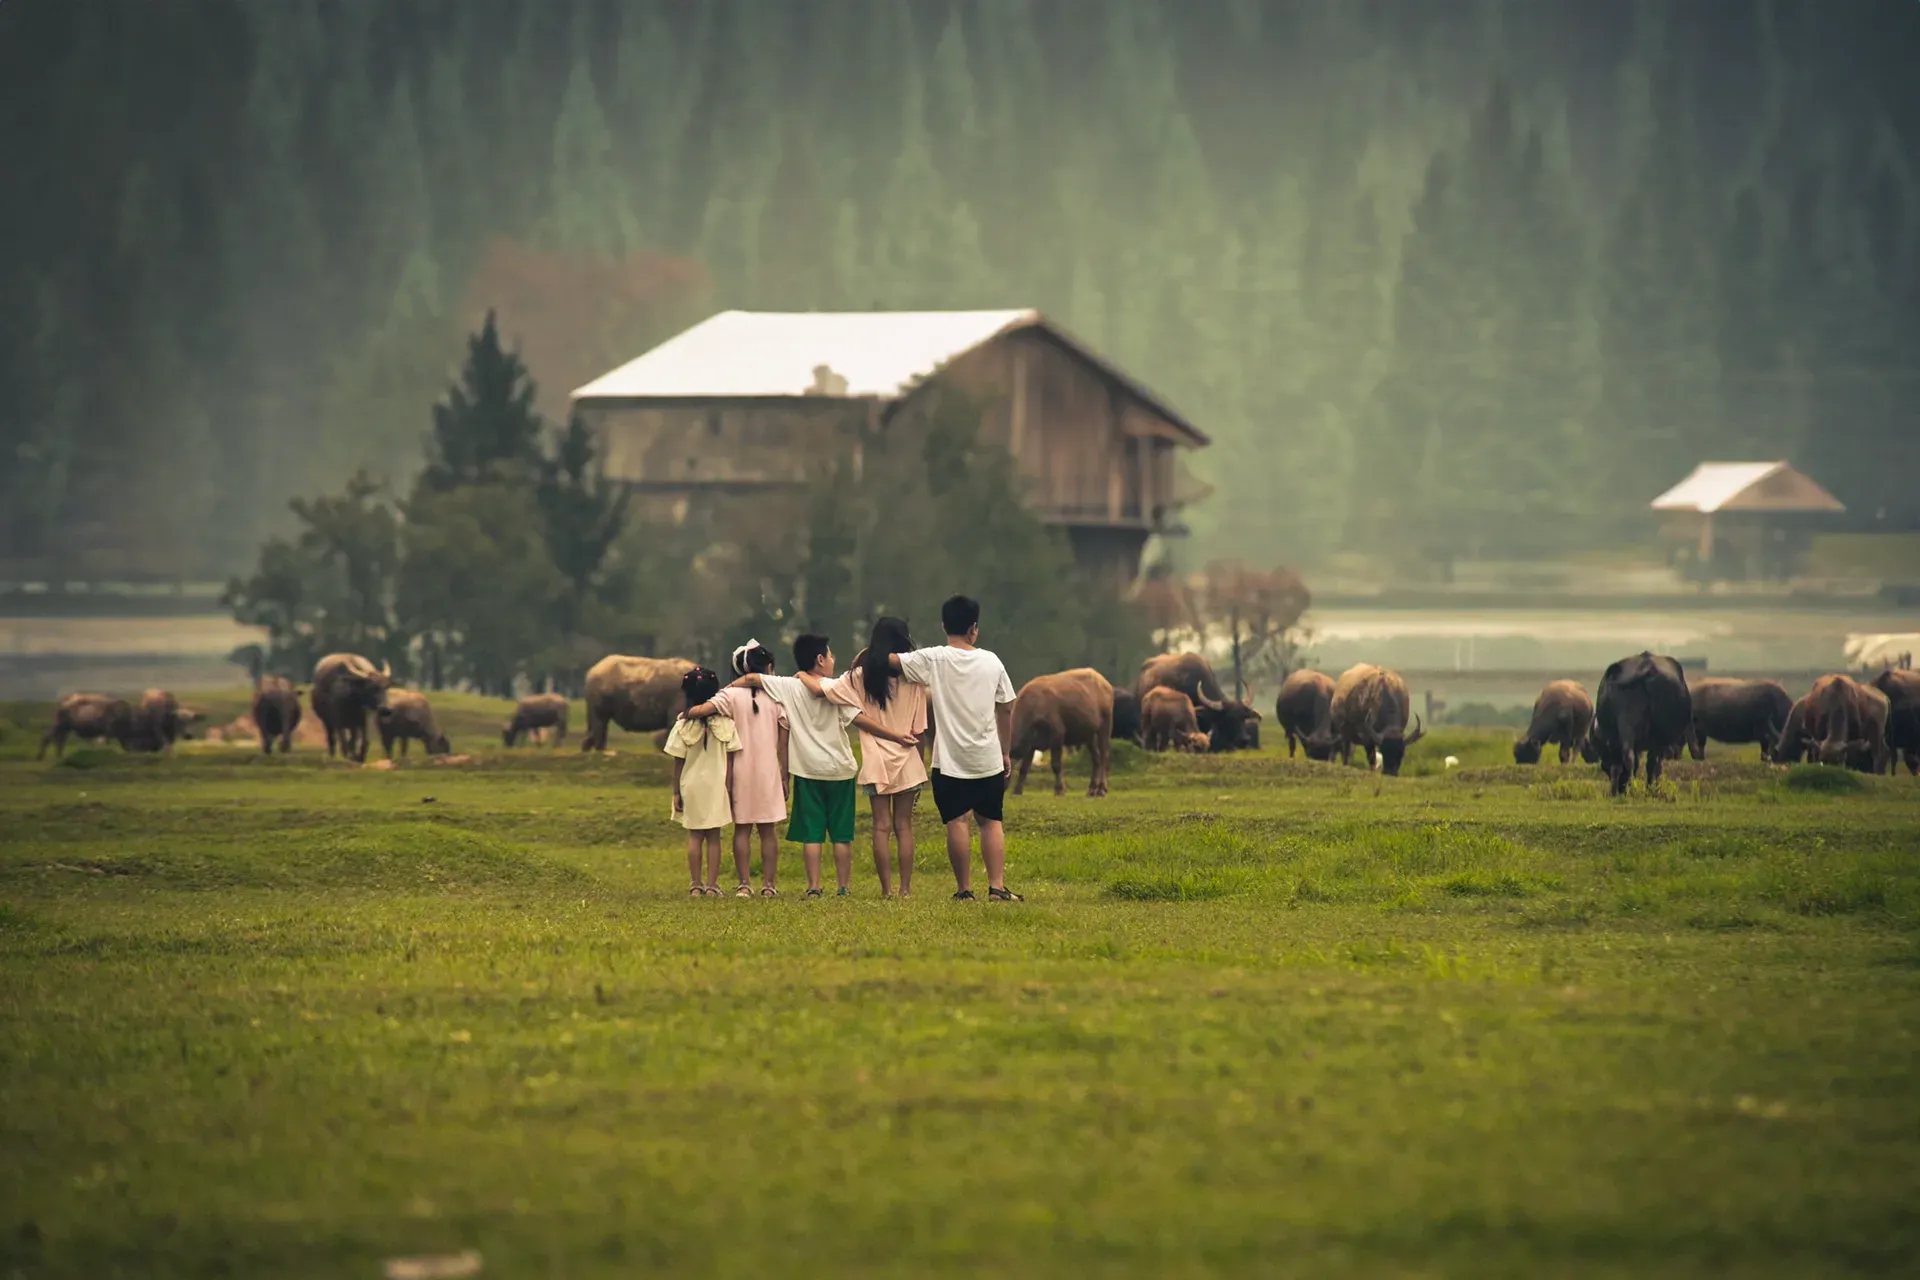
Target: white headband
column 740, row 656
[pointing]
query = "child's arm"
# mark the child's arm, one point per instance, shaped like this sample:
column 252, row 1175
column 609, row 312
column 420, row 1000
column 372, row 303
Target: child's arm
column 878, row 730
column 784, row 788
column 751, row 680
column 730, row 756
column 814, row 684
column 678, row 765
column 704, row 711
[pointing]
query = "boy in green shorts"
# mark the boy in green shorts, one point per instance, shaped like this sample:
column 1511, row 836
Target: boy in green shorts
column 820, row 759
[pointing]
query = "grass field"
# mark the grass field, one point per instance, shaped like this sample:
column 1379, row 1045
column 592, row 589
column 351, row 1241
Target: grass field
column 278, row 1017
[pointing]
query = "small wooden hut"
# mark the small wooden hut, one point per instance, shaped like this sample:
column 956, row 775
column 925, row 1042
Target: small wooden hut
column 733, row 406
column 1735, row 520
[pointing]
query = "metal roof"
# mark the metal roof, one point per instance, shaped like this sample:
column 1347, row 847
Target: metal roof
column 1736, row 486
column 878, row 354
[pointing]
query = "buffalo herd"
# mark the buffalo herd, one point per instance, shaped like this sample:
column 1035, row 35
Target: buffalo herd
column 1643, row 713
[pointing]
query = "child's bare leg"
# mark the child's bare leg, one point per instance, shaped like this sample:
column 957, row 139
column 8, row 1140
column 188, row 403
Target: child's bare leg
column 993, row 852
column 694, row 840
column 713, row 859
column 843, row 865
column 769, row 855
column 743, row 852
column 903, row 840
column 960, row 853
column 882, row 858
column 810, row 854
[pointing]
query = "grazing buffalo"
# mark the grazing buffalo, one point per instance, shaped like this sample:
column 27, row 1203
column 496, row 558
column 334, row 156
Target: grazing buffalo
column 1643, row 711
column 1840, row 721
column 1304, row 710
column 407, row 717
column 90, row 717
column 1563, row 715
column 346, row 689
column 1198, row 744
column 541, row 711
column 1229, row 724
column 1902, row 689
column 276, row 713
column 1166, row 719
column 1369, row 709
column 1069, row 709
column 1737, row 711
column 158, row 722
column 641, row 695
column 1126, row 716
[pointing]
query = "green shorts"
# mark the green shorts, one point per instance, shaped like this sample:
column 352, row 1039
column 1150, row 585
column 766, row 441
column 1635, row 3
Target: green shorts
column 822, row 812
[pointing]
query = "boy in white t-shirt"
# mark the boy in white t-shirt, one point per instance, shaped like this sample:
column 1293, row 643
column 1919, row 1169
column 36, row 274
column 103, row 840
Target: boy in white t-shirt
column 973, row 731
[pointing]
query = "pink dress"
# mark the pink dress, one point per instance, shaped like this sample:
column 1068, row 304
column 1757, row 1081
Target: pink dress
column 757, row 792
column 887, row 767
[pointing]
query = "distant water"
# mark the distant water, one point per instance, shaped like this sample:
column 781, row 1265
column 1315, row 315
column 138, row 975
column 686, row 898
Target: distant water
column 47, row 657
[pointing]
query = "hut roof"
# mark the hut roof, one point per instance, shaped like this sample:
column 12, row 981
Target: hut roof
column 855, row 355
column 1746, row 486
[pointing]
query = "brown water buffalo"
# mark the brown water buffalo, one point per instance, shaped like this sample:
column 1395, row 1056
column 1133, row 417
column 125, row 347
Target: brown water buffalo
column 1067, row 709
column 1643, row 712
column 1843, row 722
column 1563, row 715
column 90, row 717
column 1737, row 711
column 276, row 712
column 1126, row 716
column 540, row 711
column 1166, row 719
column 1196, row 743
column 158, row 722
column 1187, row 672
column 1369, row 709
column 407, row 716
column 1902, row 689
column 641, row 695
column 346, row 689
column 1304, row 711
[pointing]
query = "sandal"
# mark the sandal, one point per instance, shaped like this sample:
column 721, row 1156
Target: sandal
column 1004, row 895
column 965, row 895
column 768, row 891
column 844, row 893
column 744, row 891
column 712, row 891
column 813, row 893
column 696, row 891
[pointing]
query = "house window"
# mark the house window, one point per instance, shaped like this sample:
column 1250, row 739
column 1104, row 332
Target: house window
column 713, row 423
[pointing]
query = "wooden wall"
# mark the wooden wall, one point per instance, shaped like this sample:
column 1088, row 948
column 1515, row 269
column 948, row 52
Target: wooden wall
column 691, row 444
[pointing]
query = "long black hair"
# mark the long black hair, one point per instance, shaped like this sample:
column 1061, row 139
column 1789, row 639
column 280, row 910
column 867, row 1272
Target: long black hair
column 698, row 686
column 889, row 637
column 753, row 656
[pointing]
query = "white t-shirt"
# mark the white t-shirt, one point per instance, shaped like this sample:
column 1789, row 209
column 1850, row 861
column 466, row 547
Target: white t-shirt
column 817, row 745
column 964, row 685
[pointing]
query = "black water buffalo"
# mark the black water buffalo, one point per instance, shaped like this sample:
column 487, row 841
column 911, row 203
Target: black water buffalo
column 1643, row 713
column 276, row 713
column 1562, row 715
column 1126, row 716
column 1903, row 714
column 1304, row 712
column 1737, row 711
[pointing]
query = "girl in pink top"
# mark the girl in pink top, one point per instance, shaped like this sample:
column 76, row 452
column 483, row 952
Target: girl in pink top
column 759, row 772
column 890, row 774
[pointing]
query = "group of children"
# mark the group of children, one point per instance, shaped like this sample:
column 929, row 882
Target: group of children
column 742, row 754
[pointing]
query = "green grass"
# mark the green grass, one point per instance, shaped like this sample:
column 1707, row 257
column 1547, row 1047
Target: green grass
column 278, row 1017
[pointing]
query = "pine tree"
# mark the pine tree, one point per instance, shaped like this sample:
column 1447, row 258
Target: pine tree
column 485, row 426
column 590, row 215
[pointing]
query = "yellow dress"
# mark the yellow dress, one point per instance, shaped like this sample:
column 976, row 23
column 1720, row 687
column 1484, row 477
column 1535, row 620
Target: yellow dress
column 704, row 745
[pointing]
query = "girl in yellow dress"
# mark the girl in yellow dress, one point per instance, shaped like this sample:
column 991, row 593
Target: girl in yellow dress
column 702, row 752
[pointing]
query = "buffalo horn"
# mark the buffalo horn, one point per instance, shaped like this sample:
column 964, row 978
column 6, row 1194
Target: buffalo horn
column 1419, row 731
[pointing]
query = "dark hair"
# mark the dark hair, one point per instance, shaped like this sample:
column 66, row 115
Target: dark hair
column 960, row 614
column 889, row 637
column 698, row 686
column 754, row 658
column 809, row 649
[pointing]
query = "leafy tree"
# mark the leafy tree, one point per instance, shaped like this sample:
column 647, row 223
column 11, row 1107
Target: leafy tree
column 582, row 513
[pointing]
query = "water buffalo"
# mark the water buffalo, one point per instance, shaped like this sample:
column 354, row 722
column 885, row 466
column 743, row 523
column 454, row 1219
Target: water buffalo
column 1369, row 709
column 1196, row 743
column 346, row 688
column 1563, row 715
column 1166, row 719
column 276, row 712
column 1304, row 710
column 1902, row 689
column 540, row 711
column 406, row 717
column 1126, row 715
column 1840, row 721
column 90, row 717
column 158, row 722
column 1068, row 709
column 1643, row 711
column 1737, row 711
column 641, row 695
column 1229, row 724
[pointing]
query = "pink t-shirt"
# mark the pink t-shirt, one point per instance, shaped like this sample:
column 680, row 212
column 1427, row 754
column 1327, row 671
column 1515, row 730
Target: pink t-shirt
column 887, row 766
column 758, row 791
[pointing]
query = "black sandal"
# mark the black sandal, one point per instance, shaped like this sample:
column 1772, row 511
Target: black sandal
column 965, row 895
column 812, row 893
column 1004, row 895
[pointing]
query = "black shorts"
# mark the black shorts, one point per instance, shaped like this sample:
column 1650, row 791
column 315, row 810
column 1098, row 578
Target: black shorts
column 984, row 797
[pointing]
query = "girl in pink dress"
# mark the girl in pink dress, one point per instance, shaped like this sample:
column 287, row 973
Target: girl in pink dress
column 759, row 772
column 890, row 774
